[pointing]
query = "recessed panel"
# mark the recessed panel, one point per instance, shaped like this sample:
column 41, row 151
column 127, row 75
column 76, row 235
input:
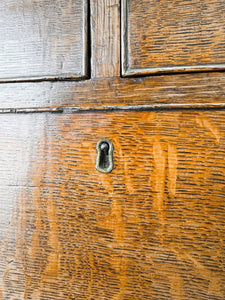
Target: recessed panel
column 43, row 39
column 162, row 36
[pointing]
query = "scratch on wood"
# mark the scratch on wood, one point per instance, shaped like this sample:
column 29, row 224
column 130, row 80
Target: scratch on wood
column 176, row 284
column 205, row 122
column 114, row 221
column 159, row 177
column 172, row 169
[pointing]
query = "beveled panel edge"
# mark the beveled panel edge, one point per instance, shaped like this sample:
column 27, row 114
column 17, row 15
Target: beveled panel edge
column 124, row 37
column 78, row 76
column 116, row 108
column 127, row 71
column 86, row 63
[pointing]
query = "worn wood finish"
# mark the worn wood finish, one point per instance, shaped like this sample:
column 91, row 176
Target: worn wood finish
column 181, row 90
column 152, row 229
column 172, row 36
column 43, row 39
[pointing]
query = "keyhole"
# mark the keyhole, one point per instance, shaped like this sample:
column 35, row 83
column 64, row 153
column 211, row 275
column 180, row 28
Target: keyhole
column 104, row 161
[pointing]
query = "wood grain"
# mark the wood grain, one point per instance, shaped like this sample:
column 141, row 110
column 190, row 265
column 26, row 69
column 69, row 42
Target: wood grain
column 181, row 90
column 152, row 229
column 105, row 36
column 172, row 36
column 43, row 40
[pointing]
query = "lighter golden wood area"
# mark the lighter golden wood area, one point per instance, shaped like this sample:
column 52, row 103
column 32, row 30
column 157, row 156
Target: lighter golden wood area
column 153, row 228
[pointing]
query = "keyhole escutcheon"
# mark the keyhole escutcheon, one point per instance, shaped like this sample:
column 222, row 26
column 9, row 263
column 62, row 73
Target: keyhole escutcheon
column 104, row 160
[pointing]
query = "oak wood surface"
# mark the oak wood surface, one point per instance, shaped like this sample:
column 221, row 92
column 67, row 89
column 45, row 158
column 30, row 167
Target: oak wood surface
column 153, row 228
column 172, row 36
column 181, row 90
column 105, row 37
column 43, row 39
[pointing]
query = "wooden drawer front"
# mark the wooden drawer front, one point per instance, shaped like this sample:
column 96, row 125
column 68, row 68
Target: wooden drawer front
column 43, row 39
column 153, row 228
column 172, row 36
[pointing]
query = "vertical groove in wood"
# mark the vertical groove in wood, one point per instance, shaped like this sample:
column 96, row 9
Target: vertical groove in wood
column 105, row 36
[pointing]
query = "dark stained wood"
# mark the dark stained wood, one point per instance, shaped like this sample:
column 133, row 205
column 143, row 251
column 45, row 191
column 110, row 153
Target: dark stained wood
column 105, row 36
column 181, row 90
column 43, row 39
column 151, row 229
column 172, row 36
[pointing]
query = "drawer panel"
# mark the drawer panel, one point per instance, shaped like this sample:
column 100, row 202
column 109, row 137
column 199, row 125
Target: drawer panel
column 153, row 228
column 43, row 40
column 172, row 36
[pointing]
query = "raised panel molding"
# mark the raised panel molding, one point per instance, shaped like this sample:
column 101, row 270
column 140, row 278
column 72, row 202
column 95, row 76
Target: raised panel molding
column 159, row 37
column 43, row 40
